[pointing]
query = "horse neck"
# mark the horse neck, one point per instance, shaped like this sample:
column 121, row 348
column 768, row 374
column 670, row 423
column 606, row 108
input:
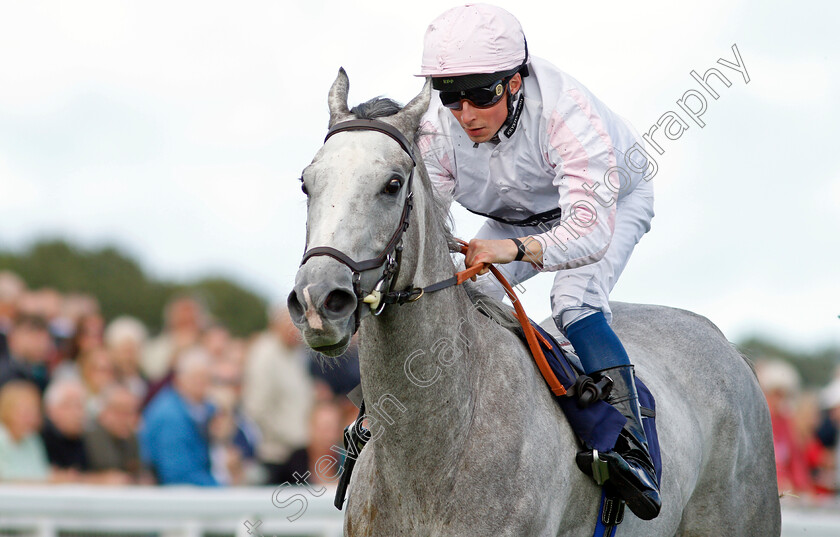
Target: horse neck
column 417, row 375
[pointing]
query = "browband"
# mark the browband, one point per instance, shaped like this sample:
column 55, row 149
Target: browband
column 373, row 125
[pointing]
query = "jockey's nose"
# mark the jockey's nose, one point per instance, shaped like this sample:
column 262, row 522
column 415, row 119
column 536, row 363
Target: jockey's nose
column 467, row 111
column 307, row 302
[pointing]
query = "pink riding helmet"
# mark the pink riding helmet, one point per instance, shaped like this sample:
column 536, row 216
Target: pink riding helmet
column 473, row 39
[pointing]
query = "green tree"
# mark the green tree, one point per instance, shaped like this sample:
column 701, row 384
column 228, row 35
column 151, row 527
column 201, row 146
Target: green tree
column 240, row 310
column 123, row 288
column 815, row 367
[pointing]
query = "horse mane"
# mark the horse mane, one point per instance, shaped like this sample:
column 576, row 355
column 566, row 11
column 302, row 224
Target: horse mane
column 380, row 107
column 376, row 108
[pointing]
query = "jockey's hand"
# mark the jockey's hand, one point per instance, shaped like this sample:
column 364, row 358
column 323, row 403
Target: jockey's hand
column 489, row 251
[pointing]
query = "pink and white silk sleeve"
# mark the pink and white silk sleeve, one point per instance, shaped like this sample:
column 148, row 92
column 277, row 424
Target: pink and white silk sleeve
column 437, row 158
column 577, row 146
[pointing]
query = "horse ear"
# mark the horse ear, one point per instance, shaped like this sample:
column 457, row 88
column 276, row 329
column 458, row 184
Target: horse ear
column 408, row 118
column 338, row 98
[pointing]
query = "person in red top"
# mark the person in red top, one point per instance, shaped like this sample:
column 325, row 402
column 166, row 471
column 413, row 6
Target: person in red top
column 780, row 383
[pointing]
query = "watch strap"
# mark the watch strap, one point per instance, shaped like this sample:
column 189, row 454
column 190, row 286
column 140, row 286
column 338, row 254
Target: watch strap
column 520, row 250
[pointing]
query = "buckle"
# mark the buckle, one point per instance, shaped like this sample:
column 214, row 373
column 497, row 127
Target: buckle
column 374, row 298
column 415, row 294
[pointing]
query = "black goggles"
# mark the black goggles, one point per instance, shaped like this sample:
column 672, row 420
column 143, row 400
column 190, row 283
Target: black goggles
column 483, row 97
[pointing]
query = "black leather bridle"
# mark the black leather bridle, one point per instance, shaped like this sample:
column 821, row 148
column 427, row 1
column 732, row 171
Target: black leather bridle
column 390, row 256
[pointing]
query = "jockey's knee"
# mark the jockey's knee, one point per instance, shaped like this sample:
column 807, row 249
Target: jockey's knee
column 571, row 315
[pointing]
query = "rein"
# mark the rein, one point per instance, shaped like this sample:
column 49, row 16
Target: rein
column 383, row 294
column 531, row 335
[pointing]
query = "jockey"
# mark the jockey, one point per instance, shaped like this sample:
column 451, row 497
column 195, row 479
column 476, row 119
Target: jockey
column 564, row 184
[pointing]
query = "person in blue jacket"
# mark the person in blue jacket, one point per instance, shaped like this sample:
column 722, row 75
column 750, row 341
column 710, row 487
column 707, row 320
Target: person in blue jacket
column 174, row 439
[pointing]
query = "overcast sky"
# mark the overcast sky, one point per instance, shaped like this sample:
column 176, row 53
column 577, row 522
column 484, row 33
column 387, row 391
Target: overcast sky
column 178, row 130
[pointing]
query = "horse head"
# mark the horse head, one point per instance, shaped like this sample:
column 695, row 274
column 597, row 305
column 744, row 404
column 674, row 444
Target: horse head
column 359, row 197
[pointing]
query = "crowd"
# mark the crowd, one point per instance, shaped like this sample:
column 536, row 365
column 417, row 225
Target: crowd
column 82, row 401
column 805, row 430
column 85, row 401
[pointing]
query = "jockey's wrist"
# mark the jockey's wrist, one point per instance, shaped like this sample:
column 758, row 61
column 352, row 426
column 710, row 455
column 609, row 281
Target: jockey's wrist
column 533, row 250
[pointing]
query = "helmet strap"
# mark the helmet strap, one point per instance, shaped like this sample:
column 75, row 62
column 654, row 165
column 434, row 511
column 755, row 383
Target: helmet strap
column 512, row 120
column 513, row 116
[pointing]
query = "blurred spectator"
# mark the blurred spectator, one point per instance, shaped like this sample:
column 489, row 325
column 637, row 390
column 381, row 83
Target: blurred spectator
column 111, row 444
column 46, row 304
column 22, row 454
column 337, row 377
column 173, row 438
column 64, row 423
column 216, row 341
column 278, row 396
column 62, row 327
column 827, row 431
column 96, row 371
column 226, row 457
column 831, row 403
column 185, row 319
column 780, row 383
column 341, row 374
column 818, row 459
column 238, row 351
column 76, row 306
column 30, row 346
column 124, row 338
column 28, row 304
column 326, row 432
column 226, row 392
column 50, row 303
column 89, row 335
column 11, row 289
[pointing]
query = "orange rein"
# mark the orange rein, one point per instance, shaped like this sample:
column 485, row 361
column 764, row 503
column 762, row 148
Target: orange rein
column 530, row 334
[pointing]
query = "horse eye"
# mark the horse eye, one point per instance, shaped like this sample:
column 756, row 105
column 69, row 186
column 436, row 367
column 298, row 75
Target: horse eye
column 393, row 185
column 303, row 186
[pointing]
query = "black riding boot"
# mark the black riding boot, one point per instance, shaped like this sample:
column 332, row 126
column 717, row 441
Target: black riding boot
column 631, row 473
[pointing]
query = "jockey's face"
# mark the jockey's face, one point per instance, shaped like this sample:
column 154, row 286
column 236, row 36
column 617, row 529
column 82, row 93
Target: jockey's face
column 481, row 124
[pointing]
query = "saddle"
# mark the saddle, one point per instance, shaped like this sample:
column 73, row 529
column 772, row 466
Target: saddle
column 596, row 423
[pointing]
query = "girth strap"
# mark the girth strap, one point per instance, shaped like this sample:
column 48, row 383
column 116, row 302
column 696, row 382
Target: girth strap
column 610, row 515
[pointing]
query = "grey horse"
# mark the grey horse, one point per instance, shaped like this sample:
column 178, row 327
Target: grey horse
column 468, row 440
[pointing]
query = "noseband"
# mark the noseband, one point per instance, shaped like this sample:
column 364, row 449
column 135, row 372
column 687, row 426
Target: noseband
column 390, row 256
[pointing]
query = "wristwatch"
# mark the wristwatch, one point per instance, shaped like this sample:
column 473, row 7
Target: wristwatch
column 520, row 250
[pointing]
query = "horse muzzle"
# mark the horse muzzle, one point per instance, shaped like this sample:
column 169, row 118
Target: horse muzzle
column 323, row 305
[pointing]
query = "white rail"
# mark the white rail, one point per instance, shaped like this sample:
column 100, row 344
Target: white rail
column 87, row 511
column 41, row 511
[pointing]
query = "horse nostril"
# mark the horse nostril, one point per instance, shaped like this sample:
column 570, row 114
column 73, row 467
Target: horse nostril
column 339, row 304
column 296, row 309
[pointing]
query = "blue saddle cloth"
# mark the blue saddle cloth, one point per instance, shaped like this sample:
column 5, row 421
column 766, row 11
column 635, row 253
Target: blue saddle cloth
column 599, row 424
